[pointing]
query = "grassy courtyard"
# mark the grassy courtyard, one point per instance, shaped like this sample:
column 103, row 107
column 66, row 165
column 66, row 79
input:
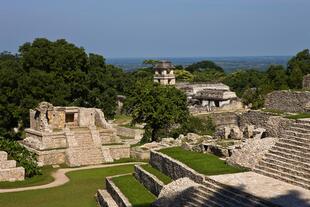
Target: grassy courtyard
column 206, row 164
column 136, row 193
column 79, row 192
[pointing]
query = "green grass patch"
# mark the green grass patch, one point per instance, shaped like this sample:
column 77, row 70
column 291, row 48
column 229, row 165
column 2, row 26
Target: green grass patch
column 164, row 178
column 136, row 193
column 45, row 178
column 112, row 144
column 206, row 164
column 122, row 119
column 125, row 137
column 274, row 111
column 298, row 116
column 78, row 192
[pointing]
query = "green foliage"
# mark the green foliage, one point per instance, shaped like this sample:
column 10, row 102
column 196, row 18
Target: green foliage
column 203, row 66
column 210, row 76
column 160, row 107
column 195, row 125
column 298, row 66
column 183, row 75
column 150, row 62
column 57, row 72
column 277, row 77
column 22, row 156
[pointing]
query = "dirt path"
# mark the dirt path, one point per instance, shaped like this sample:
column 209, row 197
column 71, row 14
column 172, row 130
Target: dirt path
column 60, row 177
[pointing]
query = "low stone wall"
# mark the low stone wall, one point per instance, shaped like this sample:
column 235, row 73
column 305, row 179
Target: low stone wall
column 49, row 157
column 221, row 119
column 151, row 182
column 288, row 101
column 274, row 125
column 140, row 154
column 116, row 194
column 174, row 168
column 129, row 132
column 118, row 151
column 12, row 174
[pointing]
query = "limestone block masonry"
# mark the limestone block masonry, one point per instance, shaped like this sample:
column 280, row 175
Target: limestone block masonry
column 289, row 159
column 151, row 182
column 116, row 193
column 211, row 192
column 8, row 169
column 75, row 136
column 288, row 101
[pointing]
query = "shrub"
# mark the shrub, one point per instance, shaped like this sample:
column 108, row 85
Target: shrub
column 22, row 156
column 195, row 125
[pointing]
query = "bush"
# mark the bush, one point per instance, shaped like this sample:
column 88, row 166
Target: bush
column 22, row 156
column 195, row 125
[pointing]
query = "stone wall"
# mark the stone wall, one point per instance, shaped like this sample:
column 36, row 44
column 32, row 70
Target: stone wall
column 274, row 125
column 148, row 180
column 116, row 194
column 118, row 151
column 288, row 101
column 222, row 119
column 129, row 132
column 306, row 82
column 8, row 169
column 174, row 168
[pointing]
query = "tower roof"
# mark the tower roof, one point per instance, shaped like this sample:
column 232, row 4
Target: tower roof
column 164, row 64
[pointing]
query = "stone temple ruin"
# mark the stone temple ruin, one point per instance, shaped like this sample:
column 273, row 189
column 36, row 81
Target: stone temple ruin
column 164, row 73
column 204, row 97
column 72, row 135
column 8, row 169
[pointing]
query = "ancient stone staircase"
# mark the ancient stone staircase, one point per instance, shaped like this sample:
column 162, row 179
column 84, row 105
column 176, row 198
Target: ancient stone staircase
column 289, row 159
column 85, row 151
column 213, row 194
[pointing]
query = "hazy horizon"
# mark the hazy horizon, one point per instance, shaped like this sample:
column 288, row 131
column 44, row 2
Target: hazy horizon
column 174, row 28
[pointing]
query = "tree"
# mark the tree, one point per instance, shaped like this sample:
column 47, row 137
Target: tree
column 203, row 66
column 298, row 66
column 183, row 75
column 150, row 62
column 160, row 107
column 277, row 77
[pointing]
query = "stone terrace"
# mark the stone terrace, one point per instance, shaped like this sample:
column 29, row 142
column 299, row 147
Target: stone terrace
column 8, row 169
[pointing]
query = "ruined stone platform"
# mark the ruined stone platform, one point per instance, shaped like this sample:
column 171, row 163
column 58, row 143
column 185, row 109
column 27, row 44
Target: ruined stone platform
column 275, row 191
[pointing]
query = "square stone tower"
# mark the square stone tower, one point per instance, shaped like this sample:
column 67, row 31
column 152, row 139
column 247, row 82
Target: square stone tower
column 306, row 82
column 164, row 73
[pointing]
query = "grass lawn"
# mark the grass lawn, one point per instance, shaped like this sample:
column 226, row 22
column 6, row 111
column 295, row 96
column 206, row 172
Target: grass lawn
column 164, row 178
column 206, row 164
column 298, row 116
column 79, row 192
column 136, row 193
column 45, row 178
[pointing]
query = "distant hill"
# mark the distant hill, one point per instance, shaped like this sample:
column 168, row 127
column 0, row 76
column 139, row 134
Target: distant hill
column 228, row 63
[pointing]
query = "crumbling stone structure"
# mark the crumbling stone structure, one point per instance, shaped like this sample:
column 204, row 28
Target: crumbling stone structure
column 288, row 101
column 306, row 82
column 164, row 73
column 210, row 97
column 8, row 169
column 72, row 135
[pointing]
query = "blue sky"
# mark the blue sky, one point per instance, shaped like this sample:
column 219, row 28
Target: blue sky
column 152, row 28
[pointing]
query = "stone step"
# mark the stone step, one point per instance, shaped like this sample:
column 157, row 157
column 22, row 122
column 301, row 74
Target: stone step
column 298, row 139
column 220, row 198
column 301, row 125
column 291, row 172
column 299, row 129
column 294, row 155
column 7, row 164
column 199, row 201
column 279, row 176
column 235, row 196
column 289, row 150
column 286, row 177
column 297, row 134
column 293, row 147
column 3, row 156
column 12, row 174
column 303, row 121
column 295, row 142
column 283, row 159
column 304, row 168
